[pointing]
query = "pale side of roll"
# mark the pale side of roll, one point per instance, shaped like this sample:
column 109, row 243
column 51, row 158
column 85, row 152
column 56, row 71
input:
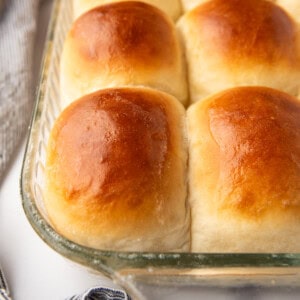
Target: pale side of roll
column 240, row 43
column 190, row 4
column 122, row 44
column 292, row 7
column 116, row 172
column 244, row 171
column 170, row 7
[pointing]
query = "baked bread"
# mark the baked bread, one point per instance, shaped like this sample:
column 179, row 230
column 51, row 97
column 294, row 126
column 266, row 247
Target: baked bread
column 170, row 7
column 122, row 44
column 244, row 171
column 240, row 43
column 116, row 172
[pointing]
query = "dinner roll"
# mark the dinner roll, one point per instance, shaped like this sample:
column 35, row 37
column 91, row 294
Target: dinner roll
column 116, row 171
column 122, row 44
column 170, row 7
column 234, row 43
column 244, row 175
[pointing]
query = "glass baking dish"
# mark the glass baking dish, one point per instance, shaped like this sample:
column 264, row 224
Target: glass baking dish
column 136, row 272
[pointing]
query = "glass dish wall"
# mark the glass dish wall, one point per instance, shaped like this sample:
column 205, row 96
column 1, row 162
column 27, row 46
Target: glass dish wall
column 135, row 271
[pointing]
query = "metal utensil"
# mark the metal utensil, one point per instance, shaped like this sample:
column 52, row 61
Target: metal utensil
column 4, row 291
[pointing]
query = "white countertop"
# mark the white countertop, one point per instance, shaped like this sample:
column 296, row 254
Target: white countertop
column 34, row 271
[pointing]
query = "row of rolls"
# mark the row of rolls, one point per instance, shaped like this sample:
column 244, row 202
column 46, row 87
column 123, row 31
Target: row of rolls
column 180, row 127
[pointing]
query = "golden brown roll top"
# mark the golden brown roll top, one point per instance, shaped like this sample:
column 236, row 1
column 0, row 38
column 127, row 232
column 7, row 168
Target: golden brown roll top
column 245, row 171
column 292, row 7
column 170, row 7
column 116, row 171
column 235, row 43
column 122, row 44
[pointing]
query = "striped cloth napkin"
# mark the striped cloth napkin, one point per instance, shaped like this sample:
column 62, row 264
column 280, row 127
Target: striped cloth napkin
column 17, row 33
column 4, row 292
column 101, row 293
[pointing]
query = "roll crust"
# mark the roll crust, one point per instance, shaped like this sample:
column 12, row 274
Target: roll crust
column 245, row 171
column 122, row 44
column 170, row 7
column 235, row 43
column 188, row 5
column 116, row 168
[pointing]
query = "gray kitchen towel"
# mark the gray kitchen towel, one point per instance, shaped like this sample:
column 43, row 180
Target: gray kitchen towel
column 17, row 36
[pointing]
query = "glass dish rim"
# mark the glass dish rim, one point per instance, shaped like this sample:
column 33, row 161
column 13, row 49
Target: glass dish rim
column 110, row 261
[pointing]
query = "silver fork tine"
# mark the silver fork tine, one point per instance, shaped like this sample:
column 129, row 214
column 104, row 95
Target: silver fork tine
column 4, row 292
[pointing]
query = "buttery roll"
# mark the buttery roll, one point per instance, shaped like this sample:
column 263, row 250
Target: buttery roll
column 122, row 44
column 116, row 172
column 244, row 171
column 170, row 7
column 240, row 43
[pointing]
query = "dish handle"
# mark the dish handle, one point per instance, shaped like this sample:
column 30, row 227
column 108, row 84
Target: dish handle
column 167, row 284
